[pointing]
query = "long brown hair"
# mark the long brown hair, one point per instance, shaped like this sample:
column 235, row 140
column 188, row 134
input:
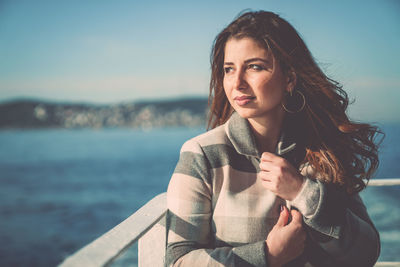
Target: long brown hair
column 341, row 151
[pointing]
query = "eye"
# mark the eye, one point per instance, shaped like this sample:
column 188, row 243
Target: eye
column 256, row 67
column 228, row 69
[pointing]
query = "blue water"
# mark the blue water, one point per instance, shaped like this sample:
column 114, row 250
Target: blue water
column 61, row 189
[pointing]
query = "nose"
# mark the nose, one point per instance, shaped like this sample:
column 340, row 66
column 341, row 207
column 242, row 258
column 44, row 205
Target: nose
column 239, row 80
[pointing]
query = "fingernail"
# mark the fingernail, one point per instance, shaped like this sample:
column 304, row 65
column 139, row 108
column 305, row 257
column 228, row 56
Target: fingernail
column 282, row 208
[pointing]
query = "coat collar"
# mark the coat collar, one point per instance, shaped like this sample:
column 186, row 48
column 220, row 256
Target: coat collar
column 242, row 138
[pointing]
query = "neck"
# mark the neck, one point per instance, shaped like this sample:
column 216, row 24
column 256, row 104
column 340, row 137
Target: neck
column 266, row 131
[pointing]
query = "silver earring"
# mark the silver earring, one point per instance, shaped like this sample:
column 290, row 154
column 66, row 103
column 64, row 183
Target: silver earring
column 291, row 101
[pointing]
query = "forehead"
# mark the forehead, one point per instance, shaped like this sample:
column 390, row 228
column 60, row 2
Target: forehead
column 244, row 48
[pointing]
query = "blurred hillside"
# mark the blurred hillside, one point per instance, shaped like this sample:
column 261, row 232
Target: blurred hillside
column 29, row 114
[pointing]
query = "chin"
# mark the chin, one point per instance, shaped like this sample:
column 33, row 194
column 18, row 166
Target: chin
column 249, row 113
column 246, row 113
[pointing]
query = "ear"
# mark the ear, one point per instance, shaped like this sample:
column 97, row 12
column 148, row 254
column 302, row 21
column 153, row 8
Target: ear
column 291, row 81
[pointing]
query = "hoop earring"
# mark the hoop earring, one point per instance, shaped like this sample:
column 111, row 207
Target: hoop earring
column 291, row 99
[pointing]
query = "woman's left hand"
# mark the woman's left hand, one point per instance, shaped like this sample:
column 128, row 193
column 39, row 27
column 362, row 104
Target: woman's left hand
column 279, row 176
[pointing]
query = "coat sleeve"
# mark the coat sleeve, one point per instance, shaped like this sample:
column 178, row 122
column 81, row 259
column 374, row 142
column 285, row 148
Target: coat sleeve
column 190, row 240
column 339, row 224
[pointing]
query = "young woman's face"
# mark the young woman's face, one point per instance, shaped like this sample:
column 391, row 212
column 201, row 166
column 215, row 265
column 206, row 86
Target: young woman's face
column 253, row 82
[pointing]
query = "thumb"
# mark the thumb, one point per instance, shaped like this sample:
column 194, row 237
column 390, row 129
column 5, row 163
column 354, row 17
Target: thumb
column 283, row 217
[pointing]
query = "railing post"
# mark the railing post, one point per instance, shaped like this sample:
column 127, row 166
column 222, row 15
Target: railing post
column 110, row 245
column 151, row 247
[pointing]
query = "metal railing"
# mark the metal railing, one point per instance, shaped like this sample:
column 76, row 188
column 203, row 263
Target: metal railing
column 109, row 246
column 147, row 225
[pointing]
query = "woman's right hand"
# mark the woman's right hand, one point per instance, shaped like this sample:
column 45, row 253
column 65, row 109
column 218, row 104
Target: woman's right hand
column 286, row 241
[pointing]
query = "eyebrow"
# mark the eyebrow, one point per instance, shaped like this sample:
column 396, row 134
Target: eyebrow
column 250, row 60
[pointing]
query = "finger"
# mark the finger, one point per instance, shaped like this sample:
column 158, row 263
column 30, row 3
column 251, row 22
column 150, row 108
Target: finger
column 264, row 176
column 283, row 216
column 297, row 217
column 270, row 157
column 267, row 156
column 270, row 167
column 266, row 180
column 266, row 165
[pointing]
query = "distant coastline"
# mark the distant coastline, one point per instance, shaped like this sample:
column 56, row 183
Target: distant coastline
column 33, row 114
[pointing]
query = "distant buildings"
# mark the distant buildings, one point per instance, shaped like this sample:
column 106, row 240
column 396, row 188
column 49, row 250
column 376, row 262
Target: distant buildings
column 145, row 115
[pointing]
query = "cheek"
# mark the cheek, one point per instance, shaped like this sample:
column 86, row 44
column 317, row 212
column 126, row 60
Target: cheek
column 226, row 86
column 273, row 92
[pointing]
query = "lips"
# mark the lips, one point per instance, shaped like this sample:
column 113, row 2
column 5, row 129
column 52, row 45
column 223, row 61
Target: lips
column 243, row 100
column 243, row 97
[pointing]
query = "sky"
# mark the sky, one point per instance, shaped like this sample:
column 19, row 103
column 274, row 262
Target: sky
column 122, row 51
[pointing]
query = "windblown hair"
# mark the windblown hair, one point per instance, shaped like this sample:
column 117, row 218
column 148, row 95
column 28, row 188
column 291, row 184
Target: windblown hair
column 341, row 151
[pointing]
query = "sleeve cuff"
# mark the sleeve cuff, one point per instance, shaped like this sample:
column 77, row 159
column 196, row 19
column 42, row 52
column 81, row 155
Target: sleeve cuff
column 308, row 198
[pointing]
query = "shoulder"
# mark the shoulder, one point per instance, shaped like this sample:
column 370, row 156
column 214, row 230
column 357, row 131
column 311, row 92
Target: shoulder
column 198, row 156
column 207, row 151
column 212, row 138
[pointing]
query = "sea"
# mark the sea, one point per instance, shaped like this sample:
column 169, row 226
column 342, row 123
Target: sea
column 61, row 189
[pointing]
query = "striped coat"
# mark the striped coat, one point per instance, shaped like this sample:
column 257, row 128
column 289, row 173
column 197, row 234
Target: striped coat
column 220, row 214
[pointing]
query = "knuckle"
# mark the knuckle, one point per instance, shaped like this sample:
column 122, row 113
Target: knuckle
column 298, row 227
column 282, row 161
column 275, row 187
column 280, row 168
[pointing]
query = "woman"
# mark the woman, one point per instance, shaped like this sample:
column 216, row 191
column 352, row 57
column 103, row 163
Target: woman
column 276, row 181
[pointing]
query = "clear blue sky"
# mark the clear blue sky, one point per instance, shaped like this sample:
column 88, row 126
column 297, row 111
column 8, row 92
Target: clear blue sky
column 119, row 51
